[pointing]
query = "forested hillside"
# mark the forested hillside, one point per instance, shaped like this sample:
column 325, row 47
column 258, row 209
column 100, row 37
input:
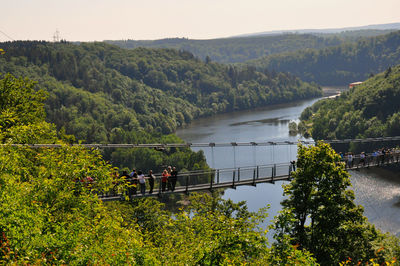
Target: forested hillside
column 234, row 50
column 102, row 93
column 244, row 48
column 371, row 109
column 338, row 65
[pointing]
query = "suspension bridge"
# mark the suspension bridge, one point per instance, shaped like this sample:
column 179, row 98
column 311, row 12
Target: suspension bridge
column 210, row 180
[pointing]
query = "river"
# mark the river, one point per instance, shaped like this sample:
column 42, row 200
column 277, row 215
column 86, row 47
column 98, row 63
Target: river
column 379, row 196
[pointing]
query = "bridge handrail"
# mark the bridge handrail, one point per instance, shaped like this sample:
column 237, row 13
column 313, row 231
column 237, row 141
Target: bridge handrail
column 211, row 170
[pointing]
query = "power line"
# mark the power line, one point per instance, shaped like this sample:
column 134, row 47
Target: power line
column 6, row 35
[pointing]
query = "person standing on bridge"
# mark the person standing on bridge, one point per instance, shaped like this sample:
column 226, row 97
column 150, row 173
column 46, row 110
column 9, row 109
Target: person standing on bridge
column 173, row 178
column 142, row 182
column 164, row 180
column 293, row 165
column 374, row 156
column 383, row 156
column 169, row 185
column 350, row 160
column 132, row 183
column 151, row 178
column 362, row 158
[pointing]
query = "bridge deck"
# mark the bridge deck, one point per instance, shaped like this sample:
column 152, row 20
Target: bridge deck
column 200, row 187
column 238, row 177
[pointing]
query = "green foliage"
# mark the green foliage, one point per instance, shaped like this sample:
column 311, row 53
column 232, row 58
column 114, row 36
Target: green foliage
column 285, row 251
column 320, row 215
column 207, row 231
column 371, row 109
column 19, row 102
column 49, row 213
column 338, row 65
column 22, row 113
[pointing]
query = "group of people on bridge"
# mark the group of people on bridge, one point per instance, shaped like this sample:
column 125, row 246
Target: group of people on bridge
column 138, row 180
column 378, row 157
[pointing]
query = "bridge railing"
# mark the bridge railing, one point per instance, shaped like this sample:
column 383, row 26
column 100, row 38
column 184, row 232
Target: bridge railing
column 218, row 176
column 205, row 179
column 231, row 177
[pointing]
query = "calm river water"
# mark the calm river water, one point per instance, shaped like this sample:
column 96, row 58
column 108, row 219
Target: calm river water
column 378, row 191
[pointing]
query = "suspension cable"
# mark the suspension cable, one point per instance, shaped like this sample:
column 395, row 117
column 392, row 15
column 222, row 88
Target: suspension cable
column 224, row 144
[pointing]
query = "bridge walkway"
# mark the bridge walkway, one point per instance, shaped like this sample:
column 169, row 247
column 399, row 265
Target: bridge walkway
column 244, row 176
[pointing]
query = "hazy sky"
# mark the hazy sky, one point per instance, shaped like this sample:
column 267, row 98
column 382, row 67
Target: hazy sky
column 89, row 20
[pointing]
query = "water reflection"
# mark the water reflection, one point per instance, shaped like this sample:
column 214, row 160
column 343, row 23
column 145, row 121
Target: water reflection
column 378, row 190
column 271, row 121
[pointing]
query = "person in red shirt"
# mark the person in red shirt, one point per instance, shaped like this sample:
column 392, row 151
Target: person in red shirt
column 164, row 180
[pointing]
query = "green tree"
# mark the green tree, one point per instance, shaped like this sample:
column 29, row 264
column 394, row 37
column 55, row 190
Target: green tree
column 319, row 213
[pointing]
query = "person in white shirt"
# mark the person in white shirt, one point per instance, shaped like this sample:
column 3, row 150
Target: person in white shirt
column 142, row 182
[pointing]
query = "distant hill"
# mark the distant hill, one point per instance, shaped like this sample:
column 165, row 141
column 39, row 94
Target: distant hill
column 338, row 65
column 371, row 109
column 234, row 50
column 366, row 29
column 253, row 46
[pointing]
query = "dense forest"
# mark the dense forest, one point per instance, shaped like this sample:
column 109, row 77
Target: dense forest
column 339, row 65
column 371, row 109
column 244, row 48
column 50, row 213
